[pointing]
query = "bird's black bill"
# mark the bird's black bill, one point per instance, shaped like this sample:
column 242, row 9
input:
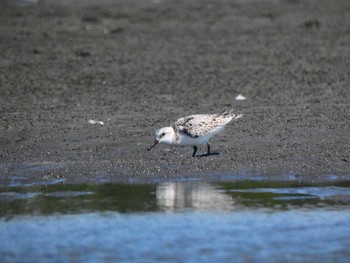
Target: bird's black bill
column 154, row 144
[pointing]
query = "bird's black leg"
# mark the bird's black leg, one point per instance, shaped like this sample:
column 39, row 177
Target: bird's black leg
column 208, row 147
column 194, row 150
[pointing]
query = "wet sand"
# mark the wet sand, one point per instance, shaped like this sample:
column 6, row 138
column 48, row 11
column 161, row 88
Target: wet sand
column 140, row 65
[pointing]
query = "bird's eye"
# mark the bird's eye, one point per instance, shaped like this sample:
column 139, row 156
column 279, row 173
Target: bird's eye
column 163, row 134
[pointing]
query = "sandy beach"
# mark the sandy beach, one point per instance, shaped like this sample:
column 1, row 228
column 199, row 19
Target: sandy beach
column 137, row 66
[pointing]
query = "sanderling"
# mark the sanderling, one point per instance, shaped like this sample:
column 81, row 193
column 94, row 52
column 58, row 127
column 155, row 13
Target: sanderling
column 194, row 130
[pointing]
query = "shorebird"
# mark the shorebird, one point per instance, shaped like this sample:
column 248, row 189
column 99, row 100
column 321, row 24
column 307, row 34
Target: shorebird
column 194, row 130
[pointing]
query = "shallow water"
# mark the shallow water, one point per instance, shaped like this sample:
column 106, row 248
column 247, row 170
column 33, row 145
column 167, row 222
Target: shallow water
column 188, row 221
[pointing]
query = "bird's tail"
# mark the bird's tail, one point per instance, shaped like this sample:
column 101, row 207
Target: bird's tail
column 238, row 116
column 229, row 113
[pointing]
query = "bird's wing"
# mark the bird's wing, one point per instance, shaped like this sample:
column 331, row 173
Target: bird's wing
column 196, row 125
column 202, row 124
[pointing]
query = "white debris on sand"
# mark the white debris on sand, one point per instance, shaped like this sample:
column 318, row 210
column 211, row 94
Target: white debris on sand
column 240, row 97
column 94, row 122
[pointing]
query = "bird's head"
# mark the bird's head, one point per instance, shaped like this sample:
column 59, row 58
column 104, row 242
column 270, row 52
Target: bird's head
column 164, row 135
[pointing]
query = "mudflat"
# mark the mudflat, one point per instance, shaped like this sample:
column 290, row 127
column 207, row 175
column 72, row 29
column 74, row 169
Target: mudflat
column 138, row 65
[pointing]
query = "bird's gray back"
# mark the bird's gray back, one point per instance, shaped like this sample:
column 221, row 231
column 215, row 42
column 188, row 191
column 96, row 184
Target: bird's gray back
column 201, row 124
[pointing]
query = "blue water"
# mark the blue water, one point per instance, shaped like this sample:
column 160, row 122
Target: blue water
column 242, row 221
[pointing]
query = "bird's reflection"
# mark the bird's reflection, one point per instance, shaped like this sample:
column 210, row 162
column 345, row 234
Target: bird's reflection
column 198, row 196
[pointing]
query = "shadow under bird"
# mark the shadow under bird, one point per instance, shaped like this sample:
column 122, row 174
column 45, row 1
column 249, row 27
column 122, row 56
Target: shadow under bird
column 194, row 130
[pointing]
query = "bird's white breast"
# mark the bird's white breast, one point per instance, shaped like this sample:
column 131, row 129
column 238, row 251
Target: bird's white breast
column 186, row 140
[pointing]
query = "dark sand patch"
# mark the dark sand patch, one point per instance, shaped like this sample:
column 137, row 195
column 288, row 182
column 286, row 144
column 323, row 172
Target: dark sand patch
column 139, row 65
